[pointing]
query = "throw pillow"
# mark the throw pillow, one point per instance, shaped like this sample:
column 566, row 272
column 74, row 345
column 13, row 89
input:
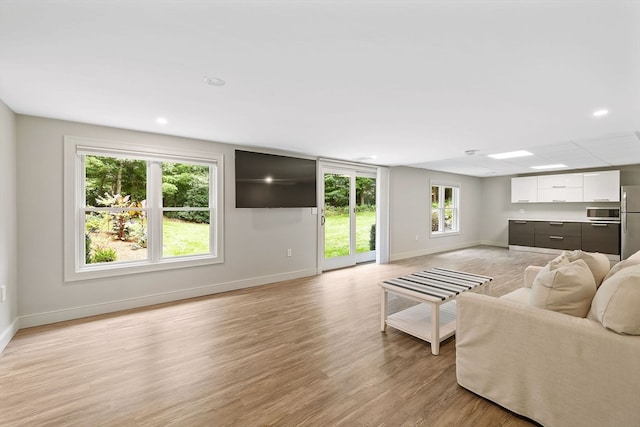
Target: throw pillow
column 617, row 301
column 568, row 289
column 598, row 263
column 621, row 265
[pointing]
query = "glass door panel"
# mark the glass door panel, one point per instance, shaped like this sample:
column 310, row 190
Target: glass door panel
column 337, row 224
column 365, row 213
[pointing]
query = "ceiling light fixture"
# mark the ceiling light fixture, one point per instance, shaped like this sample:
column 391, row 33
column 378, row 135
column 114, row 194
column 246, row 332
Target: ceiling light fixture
column 510, row 155
column 600, row 113
column 161, row 121
column 556, row 166
column 214, row 81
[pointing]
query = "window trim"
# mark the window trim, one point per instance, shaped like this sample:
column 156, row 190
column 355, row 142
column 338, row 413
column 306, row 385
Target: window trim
column 456, row 196
column 73, row 238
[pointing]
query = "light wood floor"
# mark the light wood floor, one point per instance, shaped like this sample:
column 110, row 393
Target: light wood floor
column 301, row 352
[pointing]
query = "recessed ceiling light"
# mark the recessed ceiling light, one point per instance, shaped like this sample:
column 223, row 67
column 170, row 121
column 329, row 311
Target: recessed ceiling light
column 162, row 121
column 365, row 158
column 556, row 166
column 214, row 81
column 600, row 113
column 510, row 154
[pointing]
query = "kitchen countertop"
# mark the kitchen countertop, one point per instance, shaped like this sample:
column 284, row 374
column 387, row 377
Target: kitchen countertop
column 612, row 221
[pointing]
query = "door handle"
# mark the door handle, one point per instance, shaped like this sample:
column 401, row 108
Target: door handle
column 322, row 220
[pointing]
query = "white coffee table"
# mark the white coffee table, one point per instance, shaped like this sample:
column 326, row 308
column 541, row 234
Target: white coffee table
column 434, row 319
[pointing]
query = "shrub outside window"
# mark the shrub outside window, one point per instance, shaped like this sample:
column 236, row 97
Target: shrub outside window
column 444, row 209
column 129, row 211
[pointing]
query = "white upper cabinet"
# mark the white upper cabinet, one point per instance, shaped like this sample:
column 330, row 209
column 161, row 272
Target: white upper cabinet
column 602, row 186
column 560, row 188
column 565, row 180
column 524, row 189
column 597, row 186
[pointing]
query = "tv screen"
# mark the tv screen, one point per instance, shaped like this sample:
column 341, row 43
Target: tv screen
column 271, row 181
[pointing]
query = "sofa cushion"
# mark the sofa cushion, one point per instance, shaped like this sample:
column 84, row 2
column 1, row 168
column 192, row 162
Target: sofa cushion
column 568, row 289
column 520, row 295
column 616, row 304
column 598, row 263
column 629, row 262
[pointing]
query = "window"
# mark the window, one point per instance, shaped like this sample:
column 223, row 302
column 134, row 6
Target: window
column 445, row 216
column 130, row 209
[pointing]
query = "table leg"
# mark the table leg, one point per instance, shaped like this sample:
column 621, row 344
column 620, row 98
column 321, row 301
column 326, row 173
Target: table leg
column 383, row 310
column 435, row 329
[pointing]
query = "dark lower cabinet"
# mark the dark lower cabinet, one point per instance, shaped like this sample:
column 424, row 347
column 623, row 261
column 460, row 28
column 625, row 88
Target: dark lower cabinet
column 568, row 243
column 521, row 233
column 590, row 237
column 598, row 237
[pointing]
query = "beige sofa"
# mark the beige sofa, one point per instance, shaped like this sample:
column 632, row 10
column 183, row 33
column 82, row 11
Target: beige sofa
column 555, row 368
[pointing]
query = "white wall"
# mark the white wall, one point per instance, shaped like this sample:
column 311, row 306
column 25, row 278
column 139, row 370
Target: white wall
column 410, row 212
column 8, row 225
column 498, row 209
column 255, row 239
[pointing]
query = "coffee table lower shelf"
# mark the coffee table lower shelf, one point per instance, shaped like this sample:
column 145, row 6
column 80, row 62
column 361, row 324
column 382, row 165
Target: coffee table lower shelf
column 417, row 321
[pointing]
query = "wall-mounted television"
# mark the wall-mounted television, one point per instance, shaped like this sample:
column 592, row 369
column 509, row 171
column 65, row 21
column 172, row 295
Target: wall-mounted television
column 272, row 181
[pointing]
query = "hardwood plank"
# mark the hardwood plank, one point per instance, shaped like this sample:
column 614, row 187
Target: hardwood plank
column 300, row 352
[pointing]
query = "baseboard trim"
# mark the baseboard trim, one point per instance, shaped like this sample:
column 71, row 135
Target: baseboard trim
column 429, row 251
column 38, row 319
column 8, row 333
column 497, row 244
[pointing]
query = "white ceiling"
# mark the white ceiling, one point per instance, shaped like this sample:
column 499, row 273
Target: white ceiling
column 410, row 82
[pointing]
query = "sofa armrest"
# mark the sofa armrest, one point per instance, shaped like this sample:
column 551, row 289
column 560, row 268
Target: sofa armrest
column 556, row 369
column 530, row 274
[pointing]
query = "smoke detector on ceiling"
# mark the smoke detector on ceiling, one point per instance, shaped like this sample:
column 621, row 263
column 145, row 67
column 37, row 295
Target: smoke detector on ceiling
column 214, row 81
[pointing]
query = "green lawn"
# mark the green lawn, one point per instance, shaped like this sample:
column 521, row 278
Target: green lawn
column 184, row 238
column 336, row 233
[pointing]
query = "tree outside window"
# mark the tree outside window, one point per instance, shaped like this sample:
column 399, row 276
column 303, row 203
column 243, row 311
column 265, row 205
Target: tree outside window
column 444, row 209
column 117, row 215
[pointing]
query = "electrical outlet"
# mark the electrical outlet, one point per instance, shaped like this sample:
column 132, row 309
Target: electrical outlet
column 416, row 237
column 3, row 293
column 288, row 252
column 521, row 210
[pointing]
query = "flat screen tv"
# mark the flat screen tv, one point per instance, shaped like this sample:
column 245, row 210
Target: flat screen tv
column 272, row 181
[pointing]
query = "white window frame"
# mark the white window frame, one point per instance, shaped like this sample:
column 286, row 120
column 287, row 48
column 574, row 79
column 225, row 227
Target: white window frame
column 456, row 208
column 75, row 149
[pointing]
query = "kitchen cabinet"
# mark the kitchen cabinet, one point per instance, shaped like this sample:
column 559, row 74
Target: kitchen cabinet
column 601, row 237
column 560, row 188
column 601, row 186
column 521, row 233
column 557, row 235
column 565, row 235
column 597, row 186
column 524, row 189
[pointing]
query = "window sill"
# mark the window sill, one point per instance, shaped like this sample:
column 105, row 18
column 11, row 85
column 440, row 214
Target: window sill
column 444, row 234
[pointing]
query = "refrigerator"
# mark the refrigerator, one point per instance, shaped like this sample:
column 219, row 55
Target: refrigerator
column 630, row 220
